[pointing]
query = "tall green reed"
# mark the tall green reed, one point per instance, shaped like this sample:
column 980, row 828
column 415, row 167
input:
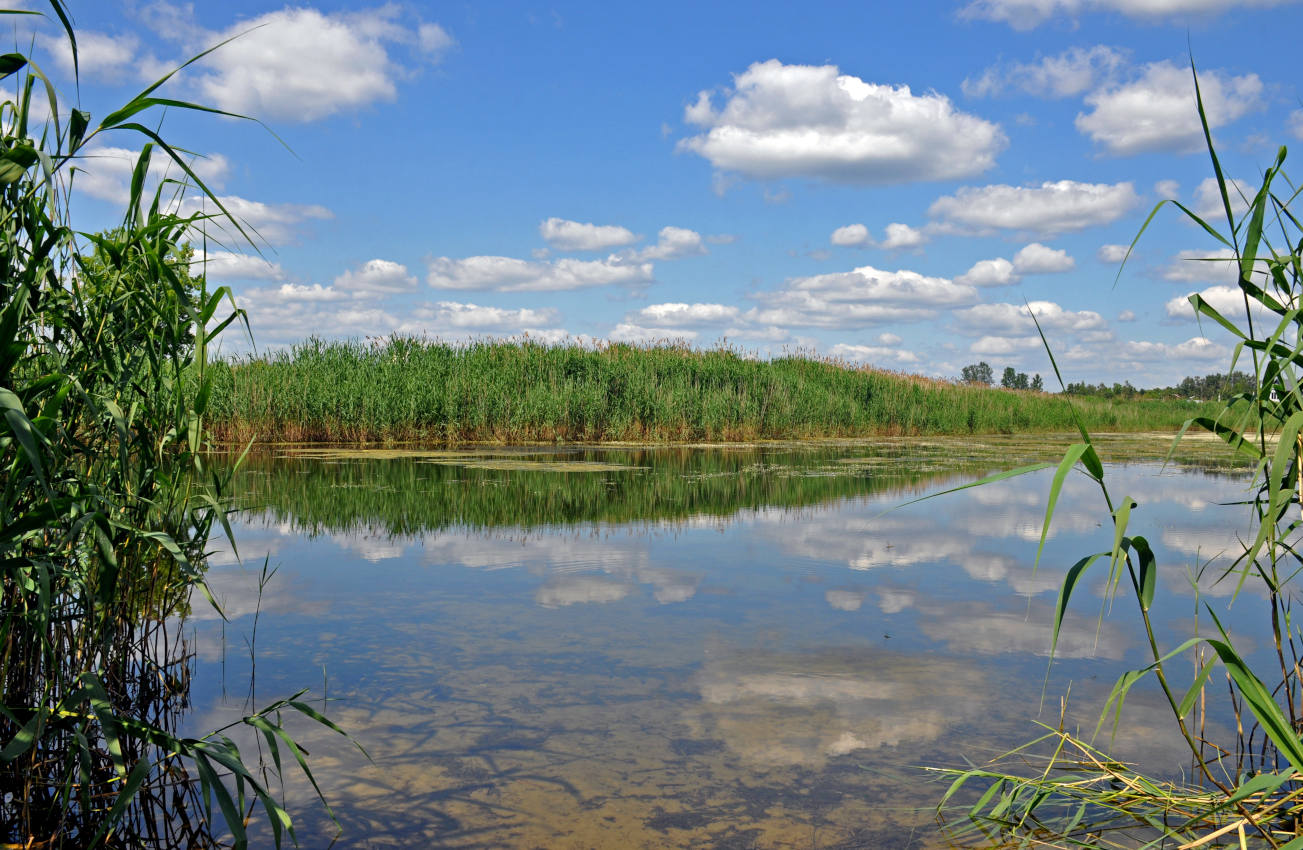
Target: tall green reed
column 1243, row 792
column 106, row 501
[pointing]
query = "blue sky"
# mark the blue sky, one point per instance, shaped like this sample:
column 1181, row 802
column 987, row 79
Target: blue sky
column 891, row 184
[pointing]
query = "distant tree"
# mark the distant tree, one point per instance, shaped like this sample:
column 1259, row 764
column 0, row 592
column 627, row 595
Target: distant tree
column 1037, row 384
column 1012, row 379
column 977, row 373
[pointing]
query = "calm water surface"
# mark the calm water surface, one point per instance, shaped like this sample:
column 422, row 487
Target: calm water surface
column 706, row 647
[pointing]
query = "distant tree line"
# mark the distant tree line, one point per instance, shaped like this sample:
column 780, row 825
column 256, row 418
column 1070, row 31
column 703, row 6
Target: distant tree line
column 1012, row 379
column 1207, row 388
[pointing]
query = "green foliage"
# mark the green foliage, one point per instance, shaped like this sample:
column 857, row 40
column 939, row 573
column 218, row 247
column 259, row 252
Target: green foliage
column 1214, row 387
column 977, row 373
column 405, row 389
column 106, row 505
column 1243, row 792
column 1014, row 380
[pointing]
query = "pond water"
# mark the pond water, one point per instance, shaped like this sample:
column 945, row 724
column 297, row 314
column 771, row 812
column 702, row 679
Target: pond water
column 714, row 646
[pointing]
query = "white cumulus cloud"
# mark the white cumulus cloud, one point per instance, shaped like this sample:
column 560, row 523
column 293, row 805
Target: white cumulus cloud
column 858, row 298
column 290, row 292
column 104, row 172
column 456, row 316
column 300, row 64
column 673, row 243
column 850, row 236
column 902, row 236
column 813, row 121
column 1028, row 14
column 1167, row 188
column 1195, row 348
column 99, row 55
column 377, row 277
column 1226, row 300
column 277, row 224
column 509, row 274
column 872, row 354
column 1208, row 199
column 1111, row 253
column 1050, row 208
column 564, row 235
column 996, row 345
column 676, row 313
column 1069, row 73
column 997, row 272
column 1040, row 259
column 898, row 236
column 1156, row 112
column 1199, row 266
column 1016, row 319
column 227, row 265
column 638, row 335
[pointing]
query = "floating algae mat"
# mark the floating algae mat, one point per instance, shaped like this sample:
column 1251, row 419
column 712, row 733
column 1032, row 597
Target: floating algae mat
column 514, row 465
column 518, row 459
column 337, row 453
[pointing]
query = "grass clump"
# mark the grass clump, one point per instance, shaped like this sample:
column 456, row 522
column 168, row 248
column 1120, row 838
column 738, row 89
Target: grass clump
column 408, row 389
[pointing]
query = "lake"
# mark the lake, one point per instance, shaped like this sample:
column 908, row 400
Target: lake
column 714, row 646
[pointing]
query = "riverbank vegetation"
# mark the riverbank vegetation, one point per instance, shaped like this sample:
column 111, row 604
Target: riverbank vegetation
column 407, row 389
column 106, row 503
column 1242, row 788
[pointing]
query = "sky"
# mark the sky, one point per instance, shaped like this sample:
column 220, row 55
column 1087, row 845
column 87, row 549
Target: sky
column 897, row 185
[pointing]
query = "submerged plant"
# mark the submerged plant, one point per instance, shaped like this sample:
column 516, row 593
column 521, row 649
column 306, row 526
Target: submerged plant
column 1060, row 790
column 106, row 502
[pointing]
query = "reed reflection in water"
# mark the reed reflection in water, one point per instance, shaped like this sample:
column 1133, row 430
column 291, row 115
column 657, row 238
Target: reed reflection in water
column 705, row 648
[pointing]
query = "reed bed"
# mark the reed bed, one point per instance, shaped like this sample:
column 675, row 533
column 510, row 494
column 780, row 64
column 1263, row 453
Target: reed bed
column 405, row 389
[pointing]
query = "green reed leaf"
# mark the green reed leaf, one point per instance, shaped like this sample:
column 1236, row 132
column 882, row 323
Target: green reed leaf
column 1148, row 571
column 1212, row 150
column 1192, row 693
column 1259, row 700
column 1204, row 308
column 214, row 786
column 989, row 479
column 27, row 736
column 1070, row 580
column 130, row 786
column 11, row 63
column 1070, row 458
column 1121, row 519
column 28, row 437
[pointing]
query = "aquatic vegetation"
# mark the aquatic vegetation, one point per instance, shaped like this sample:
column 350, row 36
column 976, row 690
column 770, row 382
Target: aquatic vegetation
column 410, row 389
column 106, row 502
column 1241, row 792
column 403, row 492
